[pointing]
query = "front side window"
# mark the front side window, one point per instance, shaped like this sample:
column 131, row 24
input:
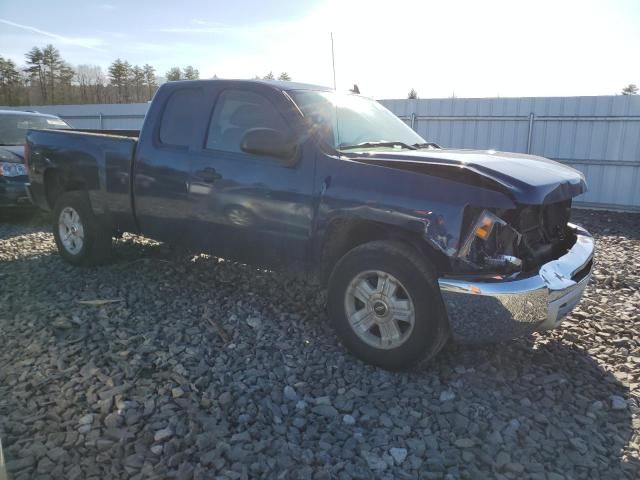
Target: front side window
column 345, row 120
column 178, row 119
column 238, row 111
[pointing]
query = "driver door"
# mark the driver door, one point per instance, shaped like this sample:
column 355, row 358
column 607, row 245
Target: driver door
column 250, row 207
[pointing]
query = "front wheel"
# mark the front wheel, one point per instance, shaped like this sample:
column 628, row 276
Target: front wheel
column 80, row 237
column 385, row 305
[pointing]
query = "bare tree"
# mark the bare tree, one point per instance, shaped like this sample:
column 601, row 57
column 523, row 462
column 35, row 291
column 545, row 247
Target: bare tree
column 84, row 83
column 64, row 80
column 91, row 83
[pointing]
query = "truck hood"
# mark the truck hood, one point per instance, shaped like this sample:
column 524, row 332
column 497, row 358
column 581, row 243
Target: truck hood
column 529, row 179
column 12, row 153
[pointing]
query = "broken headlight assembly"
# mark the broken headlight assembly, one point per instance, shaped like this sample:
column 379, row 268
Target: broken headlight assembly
column 490, row 245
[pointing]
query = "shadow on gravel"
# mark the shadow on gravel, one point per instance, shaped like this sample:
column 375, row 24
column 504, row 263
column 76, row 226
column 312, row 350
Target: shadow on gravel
column 566, row 409
column 23, row 217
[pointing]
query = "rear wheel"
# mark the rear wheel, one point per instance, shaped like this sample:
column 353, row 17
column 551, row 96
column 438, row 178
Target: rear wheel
column 80, row 237
column 386, row 306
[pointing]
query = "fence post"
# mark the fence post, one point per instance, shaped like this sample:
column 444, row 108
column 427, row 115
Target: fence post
column 101, row 119
column 413, row 120
column 532, row 119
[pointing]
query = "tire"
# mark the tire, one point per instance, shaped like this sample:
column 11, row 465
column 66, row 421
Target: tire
column 90, row 243
column 403, row 281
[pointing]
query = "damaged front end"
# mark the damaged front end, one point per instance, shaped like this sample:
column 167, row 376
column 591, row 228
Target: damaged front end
column 516, row 271
column 513, row 241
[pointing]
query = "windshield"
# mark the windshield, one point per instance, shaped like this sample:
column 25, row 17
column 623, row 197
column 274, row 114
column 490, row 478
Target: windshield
column 13, row 128
column 345, row 120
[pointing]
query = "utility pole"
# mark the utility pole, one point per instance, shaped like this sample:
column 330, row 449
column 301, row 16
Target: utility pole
column 333, row 62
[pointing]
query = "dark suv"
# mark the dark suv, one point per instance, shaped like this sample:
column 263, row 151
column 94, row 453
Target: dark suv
column 13, row 171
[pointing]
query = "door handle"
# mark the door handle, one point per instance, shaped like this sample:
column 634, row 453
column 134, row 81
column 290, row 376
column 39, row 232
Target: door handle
column 209, row 175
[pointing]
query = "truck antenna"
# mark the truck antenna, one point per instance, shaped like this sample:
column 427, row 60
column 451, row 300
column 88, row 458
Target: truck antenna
column 333, row 62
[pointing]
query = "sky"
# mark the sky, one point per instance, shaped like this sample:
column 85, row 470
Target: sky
column 466, row 48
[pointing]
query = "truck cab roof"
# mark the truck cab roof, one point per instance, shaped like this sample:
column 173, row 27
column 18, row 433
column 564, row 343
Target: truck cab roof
column 277, row 84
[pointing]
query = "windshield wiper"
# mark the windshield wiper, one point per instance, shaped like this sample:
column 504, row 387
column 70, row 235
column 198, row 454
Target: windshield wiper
column 346, row 146
column 426, row 145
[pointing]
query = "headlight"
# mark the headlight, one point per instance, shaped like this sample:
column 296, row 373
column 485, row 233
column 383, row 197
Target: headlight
column 12, row 169
column 481, row 229
column 490, row 244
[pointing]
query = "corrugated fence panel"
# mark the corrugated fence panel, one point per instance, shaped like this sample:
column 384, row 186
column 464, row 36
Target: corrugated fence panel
column 116, row 116
column 599, row 136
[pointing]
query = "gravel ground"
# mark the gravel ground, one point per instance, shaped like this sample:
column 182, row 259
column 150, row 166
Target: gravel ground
column 206, row 369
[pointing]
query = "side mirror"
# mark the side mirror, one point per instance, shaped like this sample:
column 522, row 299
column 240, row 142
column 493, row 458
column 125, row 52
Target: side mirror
column 270, row 143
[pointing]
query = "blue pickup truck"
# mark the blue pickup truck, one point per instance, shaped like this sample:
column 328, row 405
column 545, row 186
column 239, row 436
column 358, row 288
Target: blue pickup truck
column 414, row 243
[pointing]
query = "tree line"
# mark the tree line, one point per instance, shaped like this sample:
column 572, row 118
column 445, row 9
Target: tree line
column 47, row 79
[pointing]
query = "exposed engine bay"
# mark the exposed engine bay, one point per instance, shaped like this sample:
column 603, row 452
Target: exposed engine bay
column 515, row 240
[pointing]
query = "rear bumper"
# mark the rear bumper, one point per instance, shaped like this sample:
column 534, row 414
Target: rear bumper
column 14, row 194
column 489, row 311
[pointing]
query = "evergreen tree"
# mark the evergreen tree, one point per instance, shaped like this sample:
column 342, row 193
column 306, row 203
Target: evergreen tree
column 412, row 94
column 36, row 71
column 119, row 73
column 631, row 89
column 284, row 76
column 137, row 82
column 150, row 80
column 55, row 69
column 190, row 73
column 269, row 76
column 173, row 74
column 9, row 82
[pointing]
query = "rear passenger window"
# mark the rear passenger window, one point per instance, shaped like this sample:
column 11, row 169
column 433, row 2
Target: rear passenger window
column 179, row 120
column 238, row 111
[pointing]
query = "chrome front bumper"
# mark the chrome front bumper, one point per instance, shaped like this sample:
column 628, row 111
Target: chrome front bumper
column 487, row 311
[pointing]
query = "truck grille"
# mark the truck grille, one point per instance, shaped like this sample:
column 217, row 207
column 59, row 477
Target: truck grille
column 543, row 229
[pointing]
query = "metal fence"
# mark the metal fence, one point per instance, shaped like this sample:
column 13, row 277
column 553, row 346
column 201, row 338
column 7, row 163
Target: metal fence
column 125, row 116
column 598, row 135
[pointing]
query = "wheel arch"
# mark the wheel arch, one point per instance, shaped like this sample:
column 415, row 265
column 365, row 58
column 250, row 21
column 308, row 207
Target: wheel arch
column 58, row 181
column 344, row 234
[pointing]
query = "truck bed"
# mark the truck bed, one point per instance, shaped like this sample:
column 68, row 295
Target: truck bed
column 98, row 161
column 117, row 132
